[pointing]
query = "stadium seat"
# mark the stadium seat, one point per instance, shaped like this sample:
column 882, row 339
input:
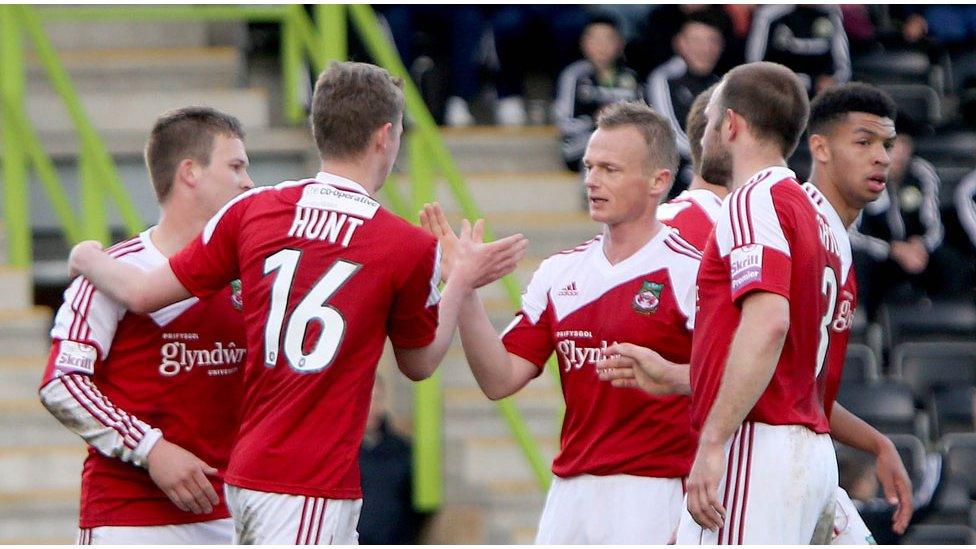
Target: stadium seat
column 940, row 534
column 949, row 179
column 860, row 364
column 892, row 66
column 888, row 405
column 918, row 99
column 953, row 410
column 959, row 450
column 947, row 149
column 926, row 320
column 913, row 455
column 929, row 367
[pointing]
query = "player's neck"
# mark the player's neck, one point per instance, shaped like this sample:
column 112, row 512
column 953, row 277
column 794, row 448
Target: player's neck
column 176, row 228
column 750, row 161
column 624, row 240
column 698, row 183
column 360, row 171
column 831, row 192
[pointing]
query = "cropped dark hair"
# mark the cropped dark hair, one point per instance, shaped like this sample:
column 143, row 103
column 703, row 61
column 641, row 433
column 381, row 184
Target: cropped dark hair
column 833, row 104
column 772, row 100
column 184, row 133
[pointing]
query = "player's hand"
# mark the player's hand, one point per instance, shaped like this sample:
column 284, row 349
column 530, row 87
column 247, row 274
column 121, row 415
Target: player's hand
column 702, row 484
column 631, row 366
column 82, row 255
column 897, row 486
column 182, row 476
column 432, row 219
column 477, row 263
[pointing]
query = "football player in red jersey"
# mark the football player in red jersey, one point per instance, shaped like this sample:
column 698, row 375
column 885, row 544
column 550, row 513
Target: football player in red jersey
column 767, row 282
column 693, row 212
column 137, row 387
column 327, row 274
column 623, row 453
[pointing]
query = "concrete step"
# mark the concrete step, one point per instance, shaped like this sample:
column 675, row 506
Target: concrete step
column 47, row 467
column 41, row 517
column 519, row 192
column 88, row 34
column 494, row 459
column 142, row 69
column 112, row 110
column 16, row 289
column 20, row 377
column 25, row 422
column 24, row 332
column 493, row 149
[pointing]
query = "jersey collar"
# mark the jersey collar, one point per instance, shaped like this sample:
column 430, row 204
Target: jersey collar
column 341, row 182
column 772, row 174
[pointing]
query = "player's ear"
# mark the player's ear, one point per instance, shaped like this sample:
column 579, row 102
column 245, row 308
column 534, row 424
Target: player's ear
column 818, row 148
column 732, row 122
column 187, row 172
column 660, row 182
column 383, row 135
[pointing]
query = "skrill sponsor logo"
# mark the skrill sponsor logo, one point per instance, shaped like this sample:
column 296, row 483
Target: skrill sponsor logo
column 75, row 357
column 845, row 313
column 222, row 359
column 575, row 357
column 746, row 265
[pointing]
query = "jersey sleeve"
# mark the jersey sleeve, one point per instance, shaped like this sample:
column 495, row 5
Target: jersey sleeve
column 529, row 335
column 81, row 339
column 210, row 261
column 413, row 322
column 753, row 243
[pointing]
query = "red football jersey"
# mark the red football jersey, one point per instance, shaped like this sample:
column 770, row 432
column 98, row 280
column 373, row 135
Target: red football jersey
column 327, row 274
column 843, row 313
column 178, row 370
column 692, row 213
column 769, row 237
column 576, row 305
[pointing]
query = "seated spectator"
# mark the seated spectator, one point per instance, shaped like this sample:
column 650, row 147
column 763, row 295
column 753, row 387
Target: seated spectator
column 385, row 462
column 898, row 239
column 673, row 87
column 547, row 34
column 809, row 39
column 654, row 44
column 460, row 28
column 965, row 203
column 588, row 85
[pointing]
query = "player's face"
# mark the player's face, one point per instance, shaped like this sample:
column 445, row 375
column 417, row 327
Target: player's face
column 860, row 159
column 226, row 175
column 716, row 165
column 618, row 181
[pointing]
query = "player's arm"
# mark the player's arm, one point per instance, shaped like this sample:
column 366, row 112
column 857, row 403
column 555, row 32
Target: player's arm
column 139, row 291
column 752, row 359
column 849, row 429
column 473, row 263
column 631, row 366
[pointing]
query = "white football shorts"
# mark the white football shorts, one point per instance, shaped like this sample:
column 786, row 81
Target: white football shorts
column 268, row 518
column 211, row 532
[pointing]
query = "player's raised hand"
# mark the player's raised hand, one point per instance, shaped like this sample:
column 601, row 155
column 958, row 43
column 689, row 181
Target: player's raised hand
column 626, row 365
column 479, row 263
column 702, row 485
column 182, row 476
column 897, row 486
column 82, row 255
column 433, row 220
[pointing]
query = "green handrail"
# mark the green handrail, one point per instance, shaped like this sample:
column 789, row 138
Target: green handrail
column 16, row 202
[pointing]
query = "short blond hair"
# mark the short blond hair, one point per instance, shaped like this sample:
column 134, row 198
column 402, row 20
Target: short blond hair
column 662, row 149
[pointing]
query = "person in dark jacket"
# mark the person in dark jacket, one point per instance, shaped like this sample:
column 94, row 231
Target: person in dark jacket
column 385, row 463
column 590, row 84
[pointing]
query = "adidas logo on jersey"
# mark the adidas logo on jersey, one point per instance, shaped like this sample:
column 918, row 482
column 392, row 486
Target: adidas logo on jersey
column 568, row 291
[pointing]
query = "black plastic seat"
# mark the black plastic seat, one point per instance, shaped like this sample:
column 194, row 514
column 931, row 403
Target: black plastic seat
column 954, row 148
column 887, row 405
column 940, row 534
column 932, row 367
column 860, row 364
column 953, row 410
column 891, row 66
column 924, row 320
column 949, row 178
column 920, row 100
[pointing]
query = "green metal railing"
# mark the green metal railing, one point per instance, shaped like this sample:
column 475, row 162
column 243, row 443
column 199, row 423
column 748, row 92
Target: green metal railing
column 302, row 39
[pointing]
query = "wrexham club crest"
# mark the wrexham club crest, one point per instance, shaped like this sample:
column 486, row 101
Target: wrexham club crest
column 648, row 297
column 236, row 299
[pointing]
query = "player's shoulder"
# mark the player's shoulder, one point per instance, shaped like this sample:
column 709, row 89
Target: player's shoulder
column 563, row 259
column 403, row 233
column 684, row 253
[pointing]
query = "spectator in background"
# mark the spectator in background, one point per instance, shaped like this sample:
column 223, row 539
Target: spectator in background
column 460, row 28
column 965, row 204
column 654, row 44
column 588, row 85
column 899, row 237
column 673, row 87
column 546, row 34
column 385, row 462
column 809, row 39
